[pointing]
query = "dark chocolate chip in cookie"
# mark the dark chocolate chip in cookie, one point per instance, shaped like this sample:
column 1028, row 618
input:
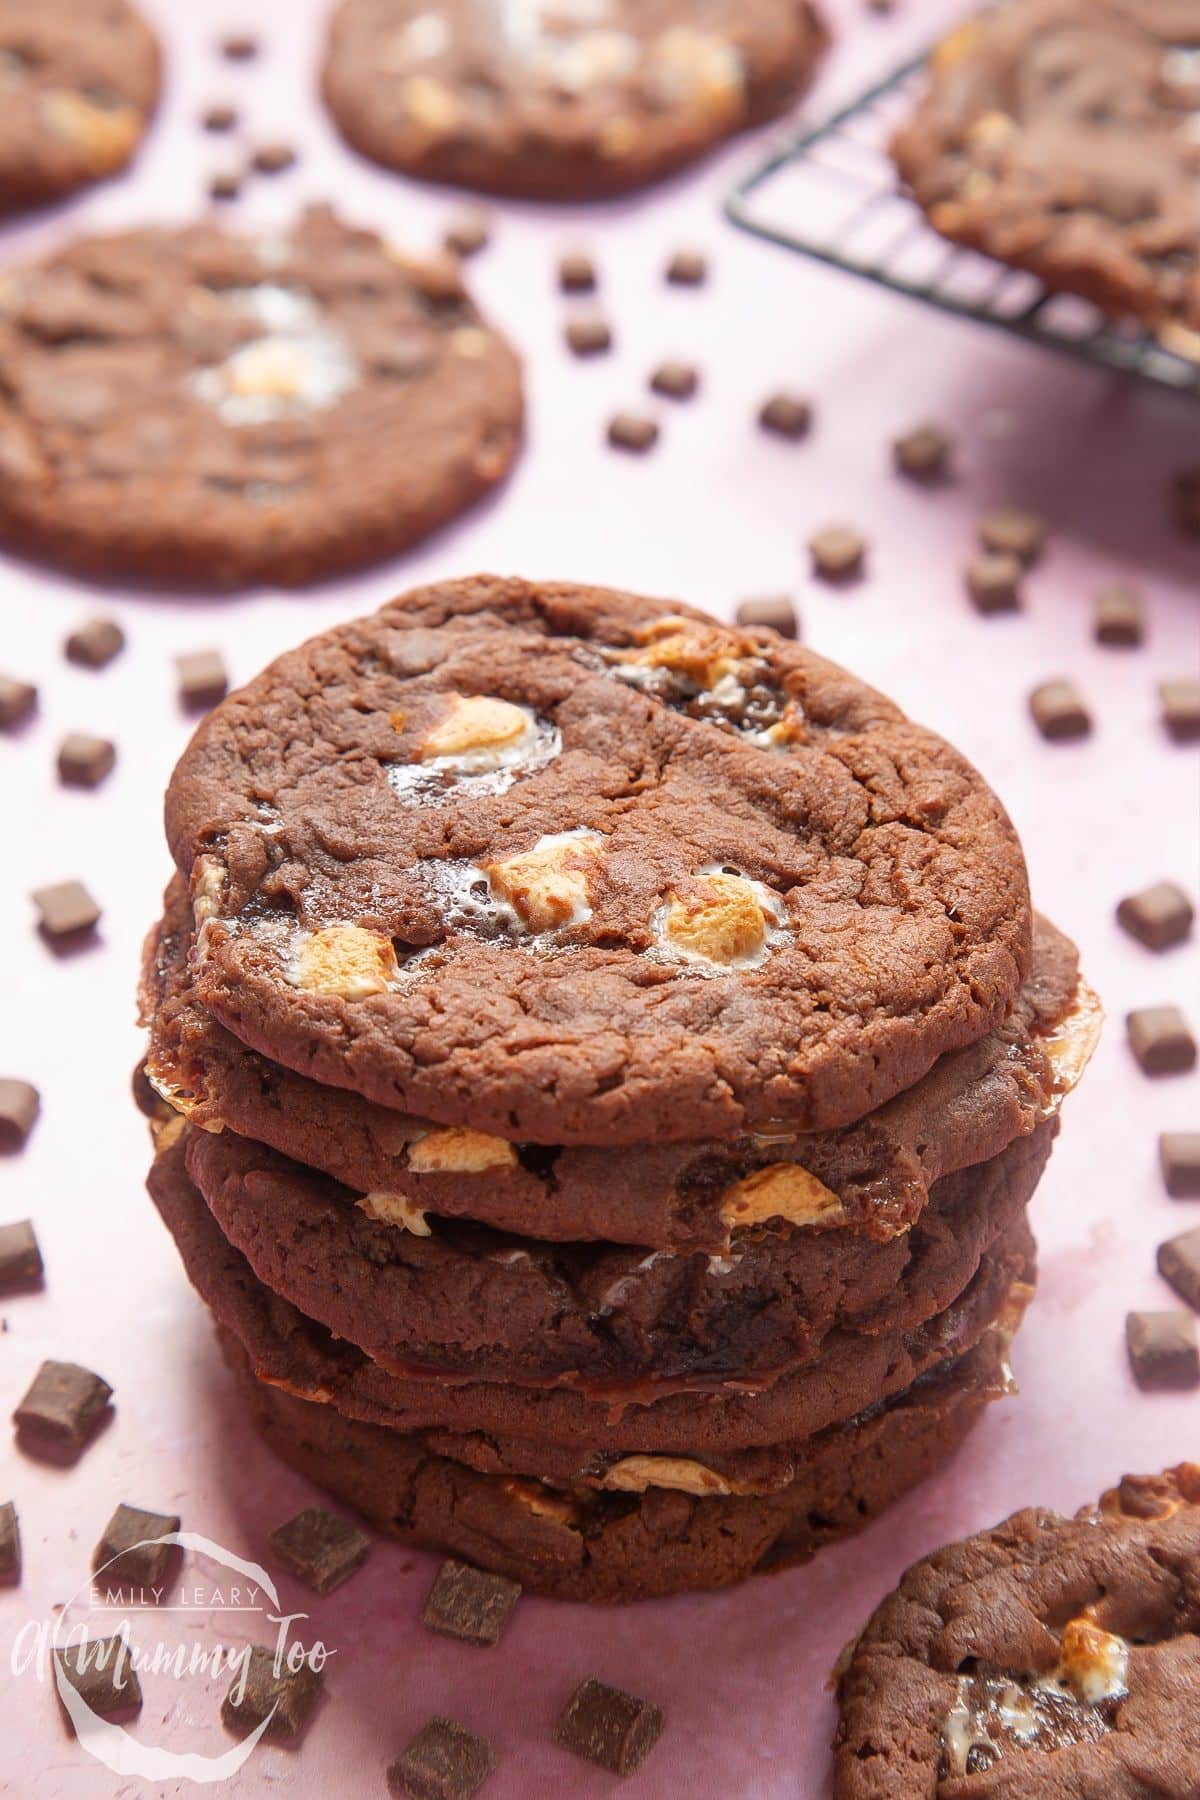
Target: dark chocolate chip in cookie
column 1059, row 711
column 63, row 1408
column 321, row 1548
column 1159, row 916
column 1163, row 1350
column 1120, row 615
column 471, row 1604
column 101, row 1672
column 445, row 1761
column 263, row 1688
column 18, row 702
column 1161, row 1039
column 85, row 761
column 20, row 1103
column 609, row 1727
column 20, row 1258
column 10, row 1545
column 1179, row 1263
column 1179, row 1159
column 786, row 415
column 134, row 1551
column 94, row 643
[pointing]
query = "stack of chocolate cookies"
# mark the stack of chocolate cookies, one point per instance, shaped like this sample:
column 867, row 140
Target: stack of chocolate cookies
column 601, row 1061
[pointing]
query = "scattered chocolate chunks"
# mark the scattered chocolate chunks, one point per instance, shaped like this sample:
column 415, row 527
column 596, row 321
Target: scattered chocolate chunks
column 577, row 273
column 1163, row 1350
column 63, row 1409
column 1179, row 1263
column 1158, row 917
column 609, row 1727
column 273, row 159
column 257, row 1692
column 1120, row 615
column 20, row 1258
column 1181, row 709
column 131, row 1553
column 838, row 552
column 10, row 1545
column 786, row 415
column 18, row 702
column 20, row 1103
column 588, row 334
column 1179, row 1159
column 94, row 643
column 994, row 583
column 1059, row 712
column 203, row 679
column 633, row 432
column 67, row 914
column 1008, row 531
column 778, row 611
column 688, row 268
column 445, row 1761
column 239, row 46
column 85, row 761
column 470, row 1604
column 1161, row 1040
column 321, row 1548
column 102, row 1674
column 469, row 232
column 675, row 380
column 926, row 453
column 219, row 117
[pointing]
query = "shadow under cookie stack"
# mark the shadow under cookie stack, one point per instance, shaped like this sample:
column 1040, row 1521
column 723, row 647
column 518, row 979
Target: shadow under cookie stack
column 600, row 1062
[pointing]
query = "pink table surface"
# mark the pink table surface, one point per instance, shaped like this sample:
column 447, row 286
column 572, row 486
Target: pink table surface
column 717, row 511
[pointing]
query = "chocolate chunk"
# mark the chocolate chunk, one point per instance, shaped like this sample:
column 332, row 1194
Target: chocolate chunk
column 63, row 1408
column 925, row 453
column 20, row 1258
column 609, row 1727
column 1158, row 917
column 1163, row 1351
column 225, row 185
column 130, row 1553
column 632, row 431
column 786, row 416
column 257, row 1692
column 688, row 268
column 675, row 380
column 1120, row 615
column 994, row 583
column 1179, row 1263
column 85, row 761
column 203, row 679
column 94, row 643
column 577, row 273
column 239, row 46
column 1010, row 532
column 1058, row 712
column 838, row 552
column 470, row 1604
column 273, row 159
column 1186, row 494
column 321, row 1548
column 469, row 233
column 18, row 702
column 1179, row 1157
column 19, row 1106
column 588, row 334
column 778, row 611
column 10, row 1545
column 68, row 914
column 219, row 117
column 445, row 1761
column 1181, row 709
column 1160, row 1039
column 102, row 1673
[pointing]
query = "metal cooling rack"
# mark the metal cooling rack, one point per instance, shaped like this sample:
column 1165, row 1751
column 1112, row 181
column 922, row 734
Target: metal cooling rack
column 833, row 194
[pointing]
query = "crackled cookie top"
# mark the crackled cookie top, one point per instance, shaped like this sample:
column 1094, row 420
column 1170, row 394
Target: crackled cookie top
column 560, row 98
column 1048, row 1659
column 1064, row 136
column 78, row 83
column 714, row 882
column 202, row 407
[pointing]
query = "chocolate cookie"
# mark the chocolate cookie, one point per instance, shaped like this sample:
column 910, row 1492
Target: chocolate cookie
column 194, row 407
column 567, row 866
column 472, row 1301
column 79, row 80
column 874, row 1176
column 1060, row 136
column 1049, row 1659
column 560, row 99
column 577, row 1544
column 689, row 1417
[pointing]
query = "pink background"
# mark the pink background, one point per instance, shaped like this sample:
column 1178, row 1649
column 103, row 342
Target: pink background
column 718, row 511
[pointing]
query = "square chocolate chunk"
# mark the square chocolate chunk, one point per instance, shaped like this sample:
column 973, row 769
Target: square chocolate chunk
column 1058, row 712
column 1181, row 709
column 1163, row 1351
column 786, row 416
column 1161, row 1040
column 838, row 552
column 1179, row 1156
column 94, row 644
column 18, row 702
column 632, row 431
column 994, row 583
column 63, row 1408
column 1009, row 531
column 926, row 453
column 257, row 1692
column 1120, row 615
column 577, row 273
column 445, row 1761
column 470, row 1604
column 1179, row 1263
column 687, row 268
column 203, row 679
column 1158, row 917
column 20, row 1258
column 20, row 1103
column 67, row 913
column 321, row 1548
column 609, row 1727
column 85, row 761
column 778, row 611
column 102, row 1674
column 131, row 1554
column 10, row 1545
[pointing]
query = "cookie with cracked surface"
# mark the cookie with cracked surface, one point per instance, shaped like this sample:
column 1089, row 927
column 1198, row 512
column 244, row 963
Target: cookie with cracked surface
column 872, row 1177
column 79, row 81
column 560, row 99
column 1061, row 136
column 568, row 866
column 1048, row 1659
column 191, row 406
